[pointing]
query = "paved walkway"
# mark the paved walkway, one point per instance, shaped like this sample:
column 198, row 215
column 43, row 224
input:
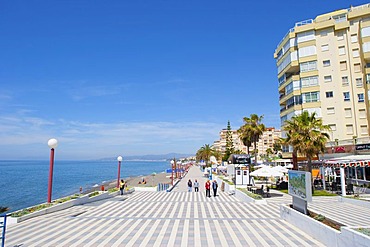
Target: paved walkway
column 178, row 218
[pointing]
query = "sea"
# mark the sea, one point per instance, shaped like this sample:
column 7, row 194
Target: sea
column 24, row 183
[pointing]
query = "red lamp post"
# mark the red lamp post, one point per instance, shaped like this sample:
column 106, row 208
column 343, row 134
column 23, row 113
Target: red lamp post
column 119, row 158
column 173, row 165
column 52, row 143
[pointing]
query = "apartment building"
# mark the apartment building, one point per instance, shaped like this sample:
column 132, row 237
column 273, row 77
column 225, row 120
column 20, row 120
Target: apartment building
column 323, row 66
column 266, row 141
column 220, row 145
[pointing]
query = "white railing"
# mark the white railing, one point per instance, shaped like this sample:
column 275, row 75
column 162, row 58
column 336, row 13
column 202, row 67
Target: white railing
column 305, row 22
column 290, row 31
column 359, row 7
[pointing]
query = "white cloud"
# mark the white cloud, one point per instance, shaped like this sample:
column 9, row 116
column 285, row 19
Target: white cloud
column 80, row 140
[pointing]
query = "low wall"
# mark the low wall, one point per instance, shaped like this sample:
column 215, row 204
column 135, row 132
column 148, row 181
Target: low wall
column 74, row 202
column 351, row 237
column 323, row 233
column 314, row 228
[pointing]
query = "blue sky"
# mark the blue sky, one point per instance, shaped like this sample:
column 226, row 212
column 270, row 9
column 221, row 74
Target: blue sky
column 121, row 77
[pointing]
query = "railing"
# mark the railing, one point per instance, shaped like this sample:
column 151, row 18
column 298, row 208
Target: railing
column 359, row 7
column 290, row 31
column 3, row 228
column 302, row 23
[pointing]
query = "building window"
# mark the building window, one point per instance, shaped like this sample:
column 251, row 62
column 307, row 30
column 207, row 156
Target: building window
column 367, row 78
column 362, row 113
column 346, row 96
column 340, row 36
column 310, row 97
column 343, row 65
column 363, row 129
column 308, row 66
column 326, row 63
column 359, row 82
column 307, row 51
column 354, row 38
column 324, row 33
column 289, row 88
column 345, row 81
column 329, row 94
column 324, row 47
column 309, row 81
column 349, row 129
column 341, row 50
column 330, row 110
column 347, row 112
column 356, row 53
column 357, row 67
column 365, row 32
column 333, row 127
column 327, row 78
column 360, row 97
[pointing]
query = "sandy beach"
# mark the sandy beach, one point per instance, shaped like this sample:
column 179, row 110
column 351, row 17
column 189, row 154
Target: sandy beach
column 151, row 181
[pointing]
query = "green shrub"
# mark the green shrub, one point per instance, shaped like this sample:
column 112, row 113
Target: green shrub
column 319, row 217
column 95, row 193
column 365, row 231
column 111, row 190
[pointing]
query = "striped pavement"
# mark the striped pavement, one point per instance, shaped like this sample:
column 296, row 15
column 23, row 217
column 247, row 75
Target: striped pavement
column 178, row 218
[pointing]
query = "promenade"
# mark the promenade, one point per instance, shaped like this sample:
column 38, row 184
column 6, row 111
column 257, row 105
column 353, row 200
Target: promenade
column 177, row 218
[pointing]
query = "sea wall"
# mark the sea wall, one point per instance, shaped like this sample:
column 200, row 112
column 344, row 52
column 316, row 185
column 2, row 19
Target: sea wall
column 73, row 202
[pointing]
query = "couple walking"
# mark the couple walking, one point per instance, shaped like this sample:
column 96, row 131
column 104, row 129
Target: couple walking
column 190, row 185
column 208, row 188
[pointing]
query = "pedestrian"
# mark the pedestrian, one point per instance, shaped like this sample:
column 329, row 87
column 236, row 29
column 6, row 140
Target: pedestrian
column 196, row 186
column 190, row 185
column 122, row 186
column 208, row 189
column 214, row 187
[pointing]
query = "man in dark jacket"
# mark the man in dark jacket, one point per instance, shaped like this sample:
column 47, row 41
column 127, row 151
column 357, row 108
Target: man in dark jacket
column 214, row 187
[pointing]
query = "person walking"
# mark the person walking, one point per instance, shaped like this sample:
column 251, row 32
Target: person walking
column 196, row 186
column 208, row 189
column 190, row 185
column 214, row 187
column 122, row 186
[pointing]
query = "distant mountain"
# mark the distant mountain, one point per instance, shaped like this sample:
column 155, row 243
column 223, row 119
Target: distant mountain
column 154, row 156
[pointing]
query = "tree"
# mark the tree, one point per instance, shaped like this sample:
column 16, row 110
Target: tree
column 307, row 135
column 229, row 142
column 205, row 152
column 277, row 146
column 245, row 137
column 252, row 129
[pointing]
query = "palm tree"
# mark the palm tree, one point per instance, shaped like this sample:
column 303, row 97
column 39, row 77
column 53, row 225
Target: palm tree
column 205, row 152
column 307, row 135
column 245, row 137
column 251, row 131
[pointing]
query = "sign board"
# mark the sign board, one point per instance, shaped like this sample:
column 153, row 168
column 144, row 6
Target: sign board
column 365, row 146
column 299, row 185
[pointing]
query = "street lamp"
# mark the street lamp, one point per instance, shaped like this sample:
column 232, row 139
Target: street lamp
column 173, row 163
column 52, row 143
column 119, row 158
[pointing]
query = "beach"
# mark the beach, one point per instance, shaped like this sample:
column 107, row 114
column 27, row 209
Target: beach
column 152, row 180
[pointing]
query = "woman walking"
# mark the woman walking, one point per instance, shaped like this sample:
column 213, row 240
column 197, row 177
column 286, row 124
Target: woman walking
column 122, row 186
column 208, row 189
column 190, row 185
